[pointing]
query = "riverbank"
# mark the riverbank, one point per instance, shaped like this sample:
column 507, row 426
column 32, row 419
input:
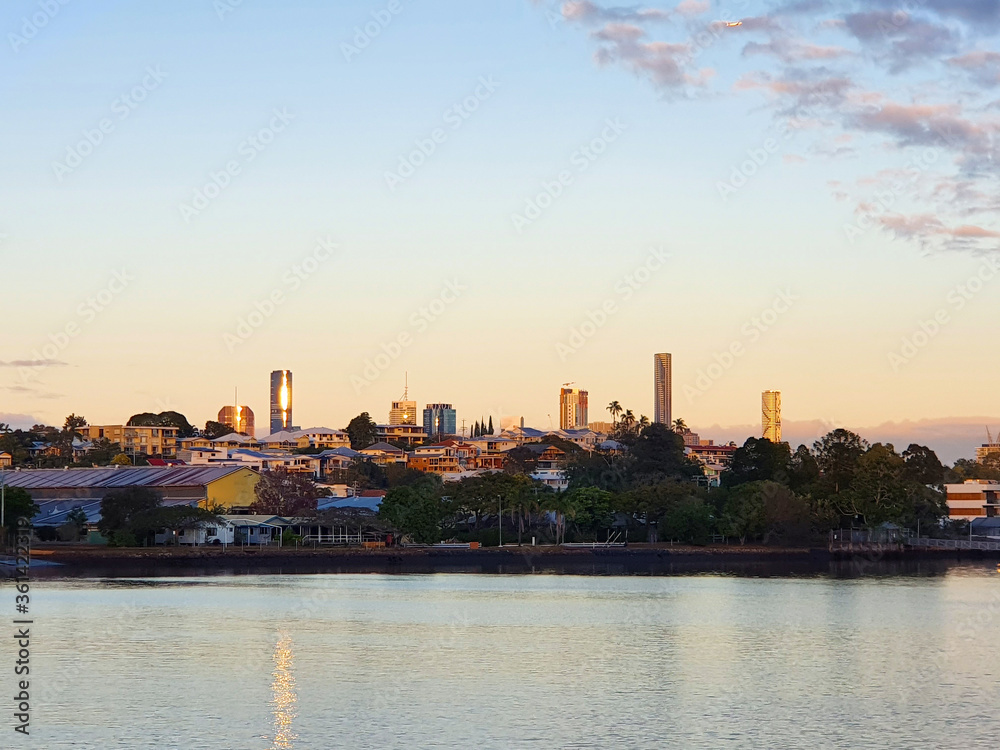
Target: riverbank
column 92, row 561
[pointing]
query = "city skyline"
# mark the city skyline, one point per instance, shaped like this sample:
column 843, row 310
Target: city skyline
column 619, row 254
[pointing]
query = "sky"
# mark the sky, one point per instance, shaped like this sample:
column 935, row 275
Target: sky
column 494, row 198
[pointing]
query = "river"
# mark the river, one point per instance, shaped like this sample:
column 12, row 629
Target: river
column 497, row 661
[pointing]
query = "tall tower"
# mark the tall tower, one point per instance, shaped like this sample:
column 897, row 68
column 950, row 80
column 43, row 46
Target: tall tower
column 770, row 415
column 662, row 390
column 404, row 411
column 439, row 420
column 240, row 418
column 281, row 400
column 572, row 408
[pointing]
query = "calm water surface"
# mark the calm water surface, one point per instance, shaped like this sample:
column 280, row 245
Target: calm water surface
column 517, row 662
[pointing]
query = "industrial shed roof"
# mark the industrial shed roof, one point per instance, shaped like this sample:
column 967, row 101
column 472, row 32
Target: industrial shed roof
column 136, row 476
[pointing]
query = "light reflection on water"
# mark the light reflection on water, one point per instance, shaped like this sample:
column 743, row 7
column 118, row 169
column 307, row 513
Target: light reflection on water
column 519, row 662
column 283, row 689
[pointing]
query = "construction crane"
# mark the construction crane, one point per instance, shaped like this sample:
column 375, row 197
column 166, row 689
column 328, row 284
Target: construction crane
column 570, row 383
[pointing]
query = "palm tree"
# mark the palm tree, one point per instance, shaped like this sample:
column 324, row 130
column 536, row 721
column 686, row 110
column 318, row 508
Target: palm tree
column 679, row 425
column 643, row 421
column 615, row 408
column 628, row 419
column 562, row 505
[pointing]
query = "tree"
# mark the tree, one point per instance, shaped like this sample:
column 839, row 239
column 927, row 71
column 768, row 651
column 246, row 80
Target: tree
column 73, row 528
column 489, row 430
column 659, row 455
column 837, row 454
column 165, row 419
column 362, row 431
column 416, row 511
column 520, row 460
column 679, row 425
column 758, row 460
column 121, row 460
column 281, row 493
column 877, row 492
column 615, row 409
column 131, row 511
column 690, row 521
column 215, row 430
column 803, row 471
column 923, row 466
column 103, row 451
column 17, row 504
column 594, row 509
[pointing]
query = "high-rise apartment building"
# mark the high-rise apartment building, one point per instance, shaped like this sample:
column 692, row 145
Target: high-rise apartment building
column 403, row 411
column 281, row 401
column 662, row 390
column 239, row 418
column 771, row 415
column 572, row 409
column 439, row 420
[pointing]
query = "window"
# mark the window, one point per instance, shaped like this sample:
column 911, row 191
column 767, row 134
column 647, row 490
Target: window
column 212, row 532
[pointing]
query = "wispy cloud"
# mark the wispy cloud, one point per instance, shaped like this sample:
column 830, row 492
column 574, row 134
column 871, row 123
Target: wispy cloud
column 875, row 79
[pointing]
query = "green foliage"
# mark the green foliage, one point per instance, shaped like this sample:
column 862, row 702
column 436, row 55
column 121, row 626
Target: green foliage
column 758, row 460
column 121, row 539
column 417, row 511
column 121, row 460
column 690, row 521
column 593, row 509
column 214, row 430
column 280, row 493
column 164, row 419
column 289, row 538
column 362, row 431
column 17, row 504
column 131, row 510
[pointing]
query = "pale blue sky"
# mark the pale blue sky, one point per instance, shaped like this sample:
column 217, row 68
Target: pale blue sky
column 161, row 342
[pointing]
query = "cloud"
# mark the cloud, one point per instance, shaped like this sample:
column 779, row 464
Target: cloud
column 982, row 67
column 902, row 39
column 693, row 7
column 892, row 83
column 34, row 363
column 584, row 11
column 19, row 421
column 667, row 65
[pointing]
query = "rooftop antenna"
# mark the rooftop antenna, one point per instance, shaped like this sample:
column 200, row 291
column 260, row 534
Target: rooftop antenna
column 406, row 386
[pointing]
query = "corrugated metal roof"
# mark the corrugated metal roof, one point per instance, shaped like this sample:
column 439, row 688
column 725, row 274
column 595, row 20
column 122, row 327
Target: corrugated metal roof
column 135, row 476
column 54, row 512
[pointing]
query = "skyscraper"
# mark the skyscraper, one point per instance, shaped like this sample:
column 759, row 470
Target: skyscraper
column 439, row 420
column 240, row 418
column 770, row 403
column 572, row 409
column 281, row 400
column 403, row 411
column 662, row 385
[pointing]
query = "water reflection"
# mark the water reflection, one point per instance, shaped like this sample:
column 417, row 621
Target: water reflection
column 283, row 691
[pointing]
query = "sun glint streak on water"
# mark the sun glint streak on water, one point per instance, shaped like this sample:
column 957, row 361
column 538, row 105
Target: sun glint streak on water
column 283, row 689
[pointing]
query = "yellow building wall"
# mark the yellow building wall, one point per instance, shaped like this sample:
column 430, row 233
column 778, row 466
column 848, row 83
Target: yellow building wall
column 233, row 491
